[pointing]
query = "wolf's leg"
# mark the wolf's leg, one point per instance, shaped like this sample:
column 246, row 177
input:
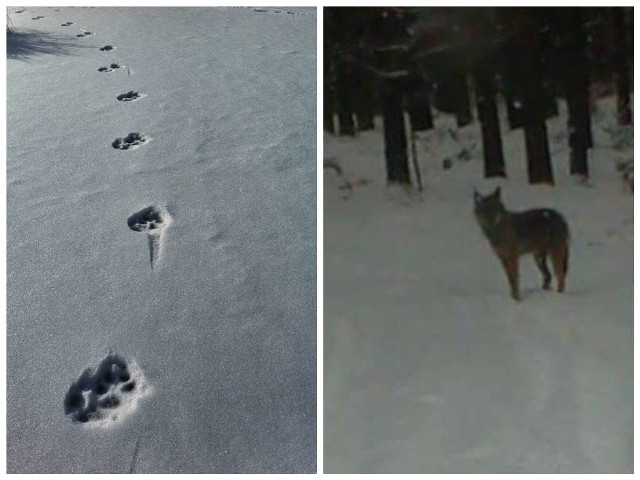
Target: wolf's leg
column 510, row 264
column 541, row 261
column 560, row 259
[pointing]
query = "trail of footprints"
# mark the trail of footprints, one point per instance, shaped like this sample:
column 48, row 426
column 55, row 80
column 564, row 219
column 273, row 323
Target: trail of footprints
column 107, row 394
column 110, row 392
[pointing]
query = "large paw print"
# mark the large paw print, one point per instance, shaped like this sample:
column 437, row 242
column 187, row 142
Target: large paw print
column 131, row 141
column 107, row 394
column 147, row 220
column 152, row 221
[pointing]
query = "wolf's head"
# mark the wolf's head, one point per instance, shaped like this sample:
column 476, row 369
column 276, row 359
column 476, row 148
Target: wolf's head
column 488, row 209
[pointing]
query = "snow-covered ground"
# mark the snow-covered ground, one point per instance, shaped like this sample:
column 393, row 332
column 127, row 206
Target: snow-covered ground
column 429, row 365
column 161, row 287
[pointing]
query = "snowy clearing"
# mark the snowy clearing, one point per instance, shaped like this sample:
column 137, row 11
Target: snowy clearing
column 429, row 365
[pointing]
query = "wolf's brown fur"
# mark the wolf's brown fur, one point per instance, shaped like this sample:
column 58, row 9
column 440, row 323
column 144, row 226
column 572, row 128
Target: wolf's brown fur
column 542, row 232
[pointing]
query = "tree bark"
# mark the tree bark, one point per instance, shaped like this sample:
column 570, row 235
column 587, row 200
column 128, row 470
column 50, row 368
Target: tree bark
column 576, row 86
column 538, row 155
column 346, row 125
column 395, row 137
column 488, row 115
column 623, row 72
column 419, row 109
column 526, row 76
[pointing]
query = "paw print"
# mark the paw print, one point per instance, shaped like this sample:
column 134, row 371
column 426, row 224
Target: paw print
column 150, row 220
column 106, row 394
column 131, row 141
column 110, row 68
column 129, row 96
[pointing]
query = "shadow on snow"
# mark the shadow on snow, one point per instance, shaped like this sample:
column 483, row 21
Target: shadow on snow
column 24, row 44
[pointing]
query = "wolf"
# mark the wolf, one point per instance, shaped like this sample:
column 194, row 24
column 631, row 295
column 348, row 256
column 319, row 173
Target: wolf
column 542, row 232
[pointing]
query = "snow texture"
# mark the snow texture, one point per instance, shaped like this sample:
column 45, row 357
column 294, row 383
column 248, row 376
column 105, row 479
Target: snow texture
column 429, row 365
column 189, row 260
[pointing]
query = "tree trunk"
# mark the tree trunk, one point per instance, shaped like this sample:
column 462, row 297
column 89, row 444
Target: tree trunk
column 452, row 96
column 395, row 138
column 363, row 90
column 419, row 109
column 346, row 125
column 489, row 122
column 463, row 111
column 576, row 87
column 527, row 78
column 328, row 110
column 538, row 155
column 623, row 72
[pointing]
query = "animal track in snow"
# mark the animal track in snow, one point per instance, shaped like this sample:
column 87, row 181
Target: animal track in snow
column 20, row 11
column 84, row 34
column 106, row 394
column 130, row 96
column 287, row 12
column 152, row 221
column 66, row 24
column 37, row 18
column 111, row 67
column 130, row 142
column 107, row 48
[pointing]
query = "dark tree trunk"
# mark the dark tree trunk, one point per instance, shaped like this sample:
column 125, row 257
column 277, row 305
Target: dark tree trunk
column 575, row 78
column 463, row 110
column 452, row 96
column 395, row 138
column 328, row 110
column 346, row 125
column 623, row 72
column 363, row 90
column 527, row 79
column 419, row 109
column 538, row 155
column 389, row 28
column 489, row 122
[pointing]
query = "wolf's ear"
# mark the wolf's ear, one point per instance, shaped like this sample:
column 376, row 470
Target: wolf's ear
column 497, row 192
column 476, row 196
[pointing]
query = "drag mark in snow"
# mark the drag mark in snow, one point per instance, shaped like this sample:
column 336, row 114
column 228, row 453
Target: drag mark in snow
column 130, row 96
column 107, row 394
column 152, row 221
column 131, row 141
